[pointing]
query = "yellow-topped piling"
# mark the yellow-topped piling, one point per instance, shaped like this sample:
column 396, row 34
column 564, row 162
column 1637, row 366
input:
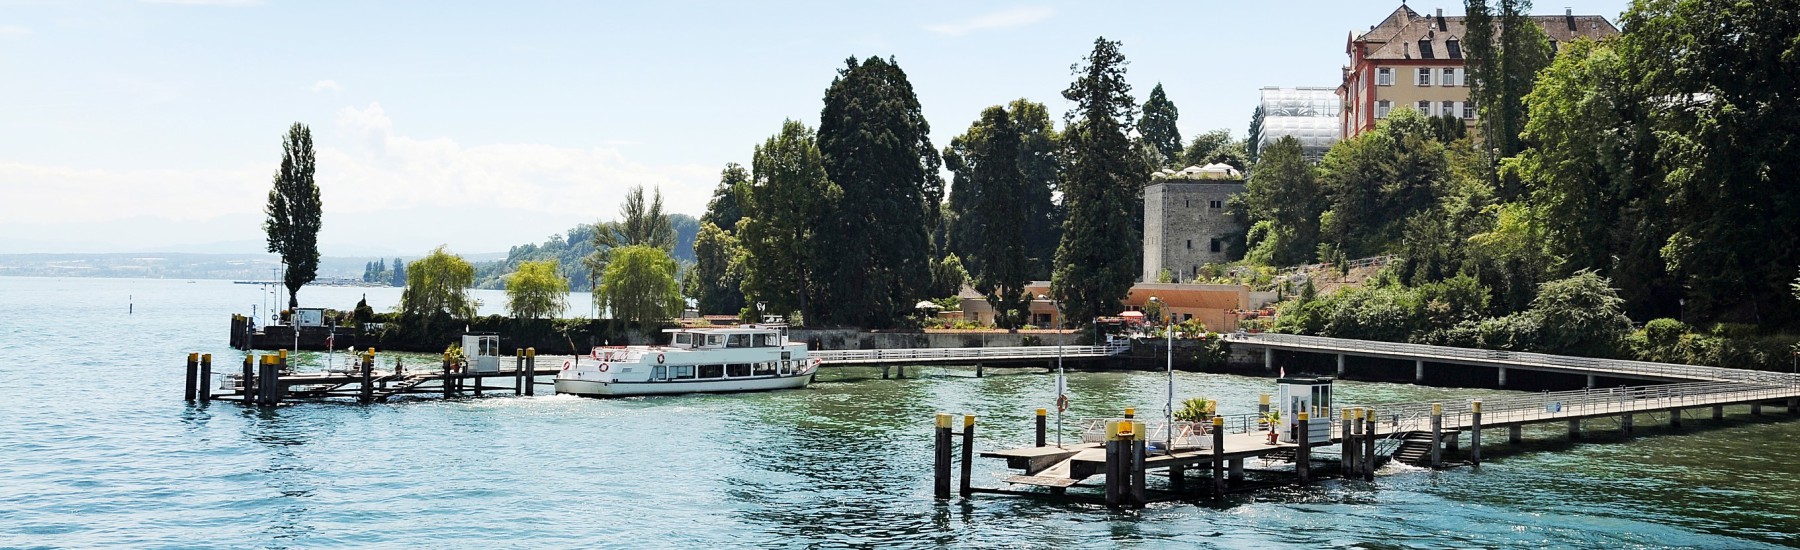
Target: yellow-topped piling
column 1437, row 409
column 1262, row 399
column 1475, row 406
column 1130, row 412
column 531, row 352
column 1043, row 412
column 968, row 420
column 943, row 420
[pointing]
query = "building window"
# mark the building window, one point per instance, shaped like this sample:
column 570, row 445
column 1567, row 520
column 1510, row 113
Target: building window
column 1454, row 48
column 1425, row 107
column 1448, row 76
column 1184, row 203
column 1468, row 109
column 1447, row 108
column 1215, row 245
column 1381, row 108
column 1384, row 77
column 1216, row 204
column 1424, row 76
column 1190, row 244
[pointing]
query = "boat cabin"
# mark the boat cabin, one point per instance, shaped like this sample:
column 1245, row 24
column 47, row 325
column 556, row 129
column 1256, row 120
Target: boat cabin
column 715, row 338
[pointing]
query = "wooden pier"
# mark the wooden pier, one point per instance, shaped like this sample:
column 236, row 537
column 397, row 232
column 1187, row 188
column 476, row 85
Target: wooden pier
column 266, row 380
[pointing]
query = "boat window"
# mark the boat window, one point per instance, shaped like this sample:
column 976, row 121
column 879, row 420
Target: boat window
column 739, row 341
column 784, row 366
column 737, row 369
column 712, row 371
column 683, row 372
column 765, row 341
column 659, row 373
column 715, row 339
column 682, row 338
column 765, row 368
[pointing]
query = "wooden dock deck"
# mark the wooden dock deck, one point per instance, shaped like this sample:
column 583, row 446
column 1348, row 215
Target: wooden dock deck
column 268, row 381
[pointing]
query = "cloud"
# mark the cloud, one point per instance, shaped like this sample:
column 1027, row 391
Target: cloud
column 1004, row 19
column 324, row 85
column 232, row 3
column 13, row 31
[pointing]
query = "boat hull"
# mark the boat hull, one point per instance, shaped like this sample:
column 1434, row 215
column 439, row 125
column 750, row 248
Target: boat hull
column 608, row 388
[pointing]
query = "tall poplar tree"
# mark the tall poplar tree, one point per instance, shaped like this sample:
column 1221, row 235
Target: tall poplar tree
column 1103, row 179
column 1253, row 144
column 294, row 212
column 1158, row 126
column 876, row 146
column 1504, row 57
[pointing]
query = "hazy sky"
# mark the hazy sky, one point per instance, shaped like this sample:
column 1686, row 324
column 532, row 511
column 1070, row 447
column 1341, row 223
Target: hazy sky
column 156, row 125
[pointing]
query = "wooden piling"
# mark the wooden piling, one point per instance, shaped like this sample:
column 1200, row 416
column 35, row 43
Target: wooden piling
column 367, row 393
column 1139, row 454
column 1437, row 434
column 1348, row 448
column 205, row 382
column 1041, row 415
column 448, row 385
column 1368, row 451
column 518, row 371
column 247, row 381
column 1302, row 455
column 1475, row 432
column 193, row 372
column 1218, row 457
column 531, row 367
column 968, row 454
column 1114, row 471
column 941, row 470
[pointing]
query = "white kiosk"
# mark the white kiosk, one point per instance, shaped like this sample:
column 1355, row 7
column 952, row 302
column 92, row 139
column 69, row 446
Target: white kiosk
column 1309, row 395
column 482, row 351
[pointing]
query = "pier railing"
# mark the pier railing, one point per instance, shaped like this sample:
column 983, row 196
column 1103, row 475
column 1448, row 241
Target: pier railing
column 1412, row 417
column 923, row 355
column 1522, row 359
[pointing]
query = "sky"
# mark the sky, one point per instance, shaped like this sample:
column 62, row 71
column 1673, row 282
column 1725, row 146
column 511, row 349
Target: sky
column 155, row 125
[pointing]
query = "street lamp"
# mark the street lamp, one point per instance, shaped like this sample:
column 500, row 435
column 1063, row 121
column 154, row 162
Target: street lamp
column 1169, row 406
column 760, row 307
column 1062, row 383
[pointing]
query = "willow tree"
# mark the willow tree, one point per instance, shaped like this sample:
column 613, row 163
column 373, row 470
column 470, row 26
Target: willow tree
column 536, row 290
column 639, row 285
column 439, row 284
column 294, row 212
column 1103, row 179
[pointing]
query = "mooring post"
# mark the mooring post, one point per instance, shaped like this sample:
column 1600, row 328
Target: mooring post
column 1114, row 472
column 447, row 384
column 367, row 392
column 246, row 382
column 205, row 378
column 193, row 371
column 1340, row 360
column 968, row 453
column 978, row 369
column 265, row 389
column 1368, row 454
column 1138, row 455
column 531, row 366
column 1041, row 414
column 1475, row 432
column 1218, row 457
column 518, row 371
column 1437, row 434
column 1347, row 448
column 1418, row 370
column 1130, row 413
column 1302, row 455
column 1718, row 412
column 941, row 470
column 1574, row 428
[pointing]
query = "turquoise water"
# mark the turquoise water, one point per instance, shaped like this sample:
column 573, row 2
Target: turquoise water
column 99, row 450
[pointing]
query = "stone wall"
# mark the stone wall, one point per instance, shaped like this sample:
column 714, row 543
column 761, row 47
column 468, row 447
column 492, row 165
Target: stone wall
column 1184, row 222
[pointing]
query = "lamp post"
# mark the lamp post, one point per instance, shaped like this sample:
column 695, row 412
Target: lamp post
column 1169, row 406
column 760, row 307
column 1062, row 383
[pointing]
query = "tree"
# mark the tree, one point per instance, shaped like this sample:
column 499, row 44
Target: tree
column 991, row 192
column 876, row 146
column 1158, row 126
column 1285, row 190
column 1253, row 143
column 786, row 209
column 947, row 277
column 1103, row 179
column 1377, row 180
column 399, row 273
column 718, row 274
column 294, row 213
column 725, row 208
column 536, row 290
column 638, row 224
column 1503, row 62
column 639, row 285
column 439, row 284
column 1215, row 147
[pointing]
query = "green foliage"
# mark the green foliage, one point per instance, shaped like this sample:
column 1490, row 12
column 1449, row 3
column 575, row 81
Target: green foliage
column 639, row 285
column 1284, row 198
column 536, row 291
column 1102, row 184
column 1158, row 126
column 638, row 225
column 1196, row 409
column 1253, row 143
column 1215, row 147
column 787, row 207
column 1505, row 51
column 947, row 277
column 717, row 277
column 990, row 195
column 1378, row 180
column 438, row 284
column 726, row 207
column 294, row 213
column 876, row 146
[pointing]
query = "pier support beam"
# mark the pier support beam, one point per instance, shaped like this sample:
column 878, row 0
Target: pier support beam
column 1574, row 428
column 1418, row 370
column 1756, row 408
column 1718, row 412
column 1269, row 359
column 940, row 480
column 1340, row 360
column 1675, row 419
column 1590, row 381
column 449, row 386
column 1515, row 434
column 1475, row 432
column 1437, row 434
column 1302, row 456
column 968, row 454
column 1502, row 377
column 978, row 370
column 1793, row 404
column 1625, row 423
column 1237, row 470
column 900, row 371
column 884, row 372
column 366, row 391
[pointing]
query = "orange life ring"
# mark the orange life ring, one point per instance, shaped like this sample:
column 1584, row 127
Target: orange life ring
column 659, row 358
column 1062, row 403
column 603, row 367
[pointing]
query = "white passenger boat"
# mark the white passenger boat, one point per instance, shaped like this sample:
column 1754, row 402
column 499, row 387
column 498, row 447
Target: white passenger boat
column 697, row 360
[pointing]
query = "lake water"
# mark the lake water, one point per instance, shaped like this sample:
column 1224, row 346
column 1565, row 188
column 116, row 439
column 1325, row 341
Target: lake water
column 98, row 449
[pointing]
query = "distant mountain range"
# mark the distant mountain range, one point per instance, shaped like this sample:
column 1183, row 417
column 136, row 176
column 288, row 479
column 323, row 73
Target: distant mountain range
column 183, row 265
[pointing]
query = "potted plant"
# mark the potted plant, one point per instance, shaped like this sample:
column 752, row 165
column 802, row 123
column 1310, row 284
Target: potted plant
column 1198, row 409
